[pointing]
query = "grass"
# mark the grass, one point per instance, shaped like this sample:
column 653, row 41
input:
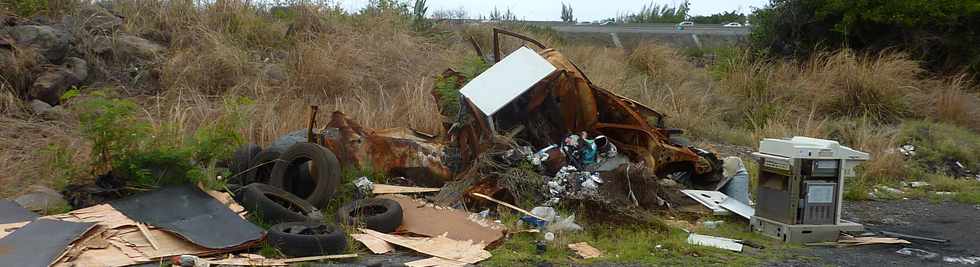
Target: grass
column 630, row 244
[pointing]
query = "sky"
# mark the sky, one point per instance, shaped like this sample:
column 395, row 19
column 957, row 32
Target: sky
column 583, row 10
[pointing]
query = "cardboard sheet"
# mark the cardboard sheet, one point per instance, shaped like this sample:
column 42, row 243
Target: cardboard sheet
column 40, row 243
column 435, row 261
column 462, row 251
column 585, row 250
column 429, row 220
column 376, row 245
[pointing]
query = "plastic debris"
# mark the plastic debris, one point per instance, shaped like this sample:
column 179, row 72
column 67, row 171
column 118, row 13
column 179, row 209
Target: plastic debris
column 713, row 224
column 915, row 184
column 889, row 189
column 566, row 224
column 549, row 236
column 917, row 252
column 364, row 185
column 907, row 149
column 962, row 260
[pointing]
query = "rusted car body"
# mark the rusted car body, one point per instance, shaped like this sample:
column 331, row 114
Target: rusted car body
column 563, row 103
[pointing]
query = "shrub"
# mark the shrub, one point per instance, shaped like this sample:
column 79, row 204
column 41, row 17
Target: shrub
column 153, row 156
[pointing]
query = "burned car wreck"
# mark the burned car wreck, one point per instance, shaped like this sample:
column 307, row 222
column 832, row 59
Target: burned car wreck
column 536, row 110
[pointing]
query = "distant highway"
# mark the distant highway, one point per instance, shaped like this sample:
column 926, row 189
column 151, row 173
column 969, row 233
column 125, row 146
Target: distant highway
column 653, row 28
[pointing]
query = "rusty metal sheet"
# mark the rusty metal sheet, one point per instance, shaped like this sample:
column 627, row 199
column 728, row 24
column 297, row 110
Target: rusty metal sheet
column 395, row 151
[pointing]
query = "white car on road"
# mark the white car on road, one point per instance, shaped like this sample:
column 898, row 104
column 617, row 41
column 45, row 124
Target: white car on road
column 685, row 23
column 732, row 25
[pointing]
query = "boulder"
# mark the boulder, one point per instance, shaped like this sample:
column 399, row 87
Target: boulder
column 126, row 46
column 41, row 198
column 50, row 42
column 40, row 107
column 77, row 66
column 55, row 81
column 99, row 19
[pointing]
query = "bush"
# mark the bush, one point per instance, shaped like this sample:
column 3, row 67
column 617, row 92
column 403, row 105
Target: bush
column 146, row 156
column 943, row 33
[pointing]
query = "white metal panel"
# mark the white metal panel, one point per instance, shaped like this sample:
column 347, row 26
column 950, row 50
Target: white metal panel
column 738, row 207
column 714, row 241
column 506, row 80
column 710, row 199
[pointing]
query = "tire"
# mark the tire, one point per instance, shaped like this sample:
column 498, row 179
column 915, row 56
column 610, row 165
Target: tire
column 274, row 205
column 241, row 160
column 324, row 173
column 382, row 215
column 261, row 167
column 301, row 239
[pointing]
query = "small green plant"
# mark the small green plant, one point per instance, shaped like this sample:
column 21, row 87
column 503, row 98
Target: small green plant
column 70, row 94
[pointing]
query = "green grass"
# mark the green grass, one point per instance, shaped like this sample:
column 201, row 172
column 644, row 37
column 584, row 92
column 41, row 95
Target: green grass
column 632, row 244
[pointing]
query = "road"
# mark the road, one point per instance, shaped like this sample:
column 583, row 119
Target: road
column 654, row 29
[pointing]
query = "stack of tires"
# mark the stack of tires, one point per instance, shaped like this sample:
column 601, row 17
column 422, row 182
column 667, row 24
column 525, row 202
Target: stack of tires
column 287, row 185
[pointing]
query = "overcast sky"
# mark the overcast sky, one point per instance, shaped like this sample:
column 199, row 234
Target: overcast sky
column 582, row 9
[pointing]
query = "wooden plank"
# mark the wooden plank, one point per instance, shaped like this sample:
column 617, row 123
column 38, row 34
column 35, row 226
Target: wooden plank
column 528, row 213
column 462, row 251
column 146, row 234
column 376, row 245
column 585, row 250
column 394, row 189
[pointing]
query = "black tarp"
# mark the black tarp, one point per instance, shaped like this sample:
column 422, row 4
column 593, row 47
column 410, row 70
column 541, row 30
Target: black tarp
column 11, row 212
column 40, row 242
column 191, row 213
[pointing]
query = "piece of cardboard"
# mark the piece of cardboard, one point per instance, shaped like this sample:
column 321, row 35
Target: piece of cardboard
column 430, row 220
column 440, row 246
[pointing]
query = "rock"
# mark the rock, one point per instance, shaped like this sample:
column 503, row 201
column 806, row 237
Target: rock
column 41, row 198
column 54, row 82
column 40, row 107
column 50, row 42
column 129, row 45
column 78, row 67
column 99, row 19
column 274, row 72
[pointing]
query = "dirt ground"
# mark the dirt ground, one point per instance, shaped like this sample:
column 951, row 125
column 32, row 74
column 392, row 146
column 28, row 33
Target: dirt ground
column 960, row 223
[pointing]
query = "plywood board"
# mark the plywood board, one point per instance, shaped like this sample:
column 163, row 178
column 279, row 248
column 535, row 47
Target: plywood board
column 376, row 245
column 394, row 189
column 427, row 219
column 585, row 250
column 462, row 251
